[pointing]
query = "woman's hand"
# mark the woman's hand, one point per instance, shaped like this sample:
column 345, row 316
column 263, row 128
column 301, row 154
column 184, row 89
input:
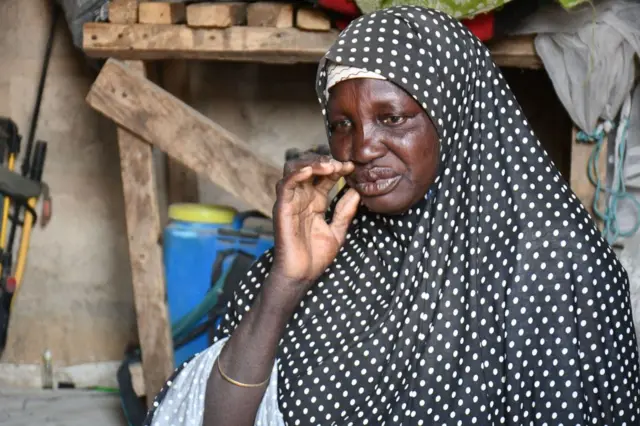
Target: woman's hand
column 305, row 244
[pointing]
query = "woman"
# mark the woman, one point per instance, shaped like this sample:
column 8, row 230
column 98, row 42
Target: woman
column 456, row 281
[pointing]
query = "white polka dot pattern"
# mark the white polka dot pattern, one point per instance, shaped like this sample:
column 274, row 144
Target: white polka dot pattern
column 493, row 301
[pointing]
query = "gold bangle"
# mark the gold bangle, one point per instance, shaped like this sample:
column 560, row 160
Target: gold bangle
column 237, row 383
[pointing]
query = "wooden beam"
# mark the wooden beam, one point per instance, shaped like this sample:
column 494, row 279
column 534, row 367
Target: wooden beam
column 267, row 14
column 216, row 15
column 182, row 182
column 183, row 133
column 253, row 44
column 155, row 12
column 516, row 52
column 312, row 20
column 123, row 11
column 580, row 183
column 143, row 228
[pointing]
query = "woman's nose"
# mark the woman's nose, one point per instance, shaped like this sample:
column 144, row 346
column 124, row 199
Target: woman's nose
column 367, row 144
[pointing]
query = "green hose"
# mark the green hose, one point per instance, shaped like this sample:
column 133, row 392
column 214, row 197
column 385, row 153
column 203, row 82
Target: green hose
column 188, row 321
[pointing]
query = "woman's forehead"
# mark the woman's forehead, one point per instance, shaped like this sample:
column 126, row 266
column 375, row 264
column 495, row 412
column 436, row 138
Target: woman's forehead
column 372, row 92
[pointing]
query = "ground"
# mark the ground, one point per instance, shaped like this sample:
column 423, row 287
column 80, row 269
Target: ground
column 59, row 408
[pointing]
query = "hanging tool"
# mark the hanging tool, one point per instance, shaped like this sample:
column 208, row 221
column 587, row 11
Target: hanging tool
column 27, row 162
column 21, row 190
column 11, row 144
column 37, row 169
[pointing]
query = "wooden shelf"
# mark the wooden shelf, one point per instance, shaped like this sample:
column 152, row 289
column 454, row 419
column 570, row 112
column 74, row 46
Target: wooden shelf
column 249, row 44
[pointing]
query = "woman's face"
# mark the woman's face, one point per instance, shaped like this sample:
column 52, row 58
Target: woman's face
column 388, row 137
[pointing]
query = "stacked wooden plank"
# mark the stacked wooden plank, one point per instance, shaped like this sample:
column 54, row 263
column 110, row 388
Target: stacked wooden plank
column 256, row 32
column 219, row 15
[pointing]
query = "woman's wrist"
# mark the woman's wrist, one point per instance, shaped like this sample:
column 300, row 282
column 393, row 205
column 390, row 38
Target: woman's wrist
column 282, row 295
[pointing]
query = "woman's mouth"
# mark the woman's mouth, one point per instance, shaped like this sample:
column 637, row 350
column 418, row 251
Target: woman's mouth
column 374, row 182
column 378, row 187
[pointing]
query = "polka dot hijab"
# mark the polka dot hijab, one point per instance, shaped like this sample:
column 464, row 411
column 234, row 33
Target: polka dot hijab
column 492, row 301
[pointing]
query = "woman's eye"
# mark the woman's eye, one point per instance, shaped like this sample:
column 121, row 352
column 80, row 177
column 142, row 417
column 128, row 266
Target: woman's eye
column 340, row 125
column 393, row 120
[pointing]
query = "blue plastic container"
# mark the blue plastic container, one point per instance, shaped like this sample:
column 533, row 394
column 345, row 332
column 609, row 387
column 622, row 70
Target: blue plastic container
column 191, row 242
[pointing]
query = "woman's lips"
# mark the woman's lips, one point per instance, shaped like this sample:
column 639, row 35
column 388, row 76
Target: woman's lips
column 378, row 187
column 374, row 182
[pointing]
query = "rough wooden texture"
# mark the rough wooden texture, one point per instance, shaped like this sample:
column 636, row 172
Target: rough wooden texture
column 264, row 14
column 516, row 52
column 161, row 13
column 216, row 15
column 186, row 135
column 182, row 182
column 149, row 42
column 312, row 20
column 123, row 11
column 580, row 183
column 143, row 228
column 252, row 44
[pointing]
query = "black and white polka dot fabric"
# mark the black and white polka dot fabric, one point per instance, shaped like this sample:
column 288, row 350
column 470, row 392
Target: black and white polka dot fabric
column 494, row 301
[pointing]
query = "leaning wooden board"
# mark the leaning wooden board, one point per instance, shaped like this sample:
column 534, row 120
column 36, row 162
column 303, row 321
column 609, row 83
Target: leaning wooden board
column 160, row 118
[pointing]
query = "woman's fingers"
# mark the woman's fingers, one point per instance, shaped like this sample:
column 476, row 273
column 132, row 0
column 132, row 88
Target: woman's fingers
column 321, row 175
column 344, row 213
column 305, row 159
column 325, row 182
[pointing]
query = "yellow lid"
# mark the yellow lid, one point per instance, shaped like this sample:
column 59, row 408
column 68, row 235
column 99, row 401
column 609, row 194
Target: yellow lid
column 202, row 213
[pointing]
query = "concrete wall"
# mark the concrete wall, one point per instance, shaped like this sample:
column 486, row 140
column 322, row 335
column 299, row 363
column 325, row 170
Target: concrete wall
column 77, row 286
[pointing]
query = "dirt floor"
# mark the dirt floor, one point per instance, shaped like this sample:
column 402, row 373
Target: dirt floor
column 59, row 408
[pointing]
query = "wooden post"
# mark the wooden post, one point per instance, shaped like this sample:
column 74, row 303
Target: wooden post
column 580, row 183
column 182, row 182
column 143, row 228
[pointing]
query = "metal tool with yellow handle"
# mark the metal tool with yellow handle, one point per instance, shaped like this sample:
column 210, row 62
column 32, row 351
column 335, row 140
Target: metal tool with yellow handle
column 10, row 141
column 19, row 198
column 37, row 169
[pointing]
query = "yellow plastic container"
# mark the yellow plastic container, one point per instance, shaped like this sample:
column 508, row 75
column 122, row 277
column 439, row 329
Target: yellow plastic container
column 202, row 213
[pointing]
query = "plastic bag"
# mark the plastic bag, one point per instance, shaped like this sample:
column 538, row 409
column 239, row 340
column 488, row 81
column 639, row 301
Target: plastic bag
column 589, row 55
column 79, row 12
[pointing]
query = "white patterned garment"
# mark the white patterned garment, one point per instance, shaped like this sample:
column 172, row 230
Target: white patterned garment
column 337, row 73
column 183, row 400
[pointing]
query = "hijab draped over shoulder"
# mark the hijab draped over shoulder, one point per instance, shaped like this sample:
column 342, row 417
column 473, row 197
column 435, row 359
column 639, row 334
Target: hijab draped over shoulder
column 492, row 301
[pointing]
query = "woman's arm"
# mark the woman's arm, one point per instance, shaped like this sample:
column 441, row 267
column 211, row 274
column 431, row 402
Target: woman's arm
column 248, row 357
column 305, row 244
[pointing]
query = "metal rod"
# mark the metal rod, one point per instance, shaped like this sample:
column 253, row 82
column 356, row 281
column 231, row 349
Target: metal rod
column 43, row 77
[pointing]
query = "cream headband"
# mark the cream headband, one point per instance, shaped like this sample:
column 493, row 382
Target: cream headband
column 337, row 73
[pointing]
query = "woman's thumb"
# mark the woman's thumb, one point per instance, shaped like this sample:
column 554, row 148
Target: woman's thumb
column 344, row 213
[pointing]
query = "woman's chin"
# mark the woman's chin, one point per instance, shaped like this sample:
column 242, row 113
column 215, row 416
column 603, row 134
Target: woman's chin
column 390, row 204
